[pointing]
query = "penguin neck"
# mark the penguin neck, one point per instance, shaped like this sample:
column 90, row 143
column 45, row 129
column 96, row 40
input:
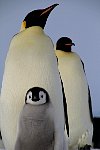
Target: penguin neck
column 67, row 49
column 60, row 53
column 34, row 30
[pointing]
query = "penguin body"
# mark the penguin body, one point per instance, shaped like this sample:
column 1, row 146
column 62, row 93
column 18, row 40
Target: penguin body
column 30, row 61
column 77, row 93
column 36, row 123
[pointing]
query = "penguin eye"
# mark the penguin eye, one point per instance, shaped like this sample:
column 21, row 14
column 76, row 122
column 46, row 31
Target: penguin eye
column 42, row 95
column 29, row 97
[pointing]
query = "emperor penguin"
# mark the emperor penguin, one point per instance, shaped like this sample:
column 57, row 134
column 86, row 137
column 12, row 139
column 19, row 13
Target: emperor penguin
column 30, row 62
column 79, row 107
column 36, row 123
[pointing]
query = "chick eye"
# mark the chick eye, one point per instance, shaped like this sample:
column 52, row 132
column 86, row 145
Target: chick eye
column 42, row 95
column 29, row 97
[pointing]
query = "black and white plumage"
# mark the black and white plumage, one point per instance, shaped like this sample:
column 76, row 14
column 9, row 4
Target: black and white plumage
column 77, row 92
column 31, row 61
column 96, row 132
column 36, row 96
column 36, row 123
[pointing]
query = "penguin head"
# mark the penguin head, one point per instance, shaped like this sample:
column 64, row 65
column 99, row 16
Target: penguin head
column 64, row 44
column 37, row 17
column 36, row 96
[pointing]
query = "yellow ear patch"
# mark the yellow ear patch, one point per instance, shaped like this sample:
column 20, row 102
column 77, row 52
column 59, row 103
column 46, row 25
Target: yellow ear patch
column 60, row 53
column 23, row 26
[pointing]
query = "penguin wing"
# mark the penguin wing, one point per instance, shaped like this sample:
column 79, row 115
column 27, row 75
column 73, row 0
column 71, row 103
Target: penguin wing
column 57, row 60
column 64, row 104
column 89, row 96
column 0, row 127
column 96, row 132
column 0, row 136
column 65, row 108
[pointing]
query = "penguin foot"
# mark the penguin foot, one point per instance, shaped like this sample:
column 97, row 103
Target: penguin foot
column 86, row 147
column 85, row 139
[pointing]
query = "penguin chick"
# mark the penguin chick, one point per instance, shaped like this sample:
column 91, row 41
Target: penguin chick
column 77, row 92
column 36, row 125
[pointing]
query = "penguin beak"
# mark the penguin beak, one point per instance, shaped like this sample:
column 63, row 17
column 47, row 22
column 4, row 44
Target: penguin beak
column 70, row 44
column 48, row 9
column 73, row 44
column 44, row 15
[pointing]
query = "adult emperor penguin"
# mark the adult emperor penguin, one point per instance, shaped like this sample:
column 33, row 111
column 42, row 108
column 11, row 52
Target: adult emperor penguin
column 30, row 62
column 78, row 96
column 36, row 123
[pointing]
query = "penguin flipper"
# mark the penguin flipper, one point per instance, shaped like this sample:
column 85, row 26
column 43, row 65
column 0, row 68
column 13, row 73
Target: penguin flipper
column 90, row 104
column 0, row 123
column 0, row 136
column 57, row 60
column 0, row 127
column 83, row 66
column 65, row 108
column 96, row 132
column 64, row 103
column 1, row 142
column 89, row 97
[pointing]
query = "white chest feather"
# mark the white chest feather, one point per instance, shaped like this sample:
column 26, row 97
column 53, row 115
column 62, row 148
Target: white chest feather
column 30, row 62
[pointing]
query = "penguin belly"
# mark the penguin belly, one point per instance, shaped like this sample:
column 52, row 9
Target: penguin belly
column 76, row 91
column 29, row 64
column 36, row 129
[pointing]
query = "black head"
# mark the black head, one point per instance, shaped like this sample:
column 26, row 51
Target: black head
column 36, row 96
column 64, row 44
column 37, row 17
